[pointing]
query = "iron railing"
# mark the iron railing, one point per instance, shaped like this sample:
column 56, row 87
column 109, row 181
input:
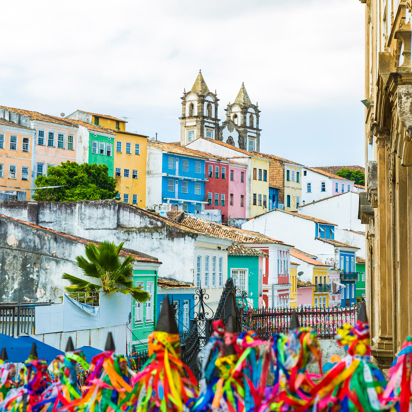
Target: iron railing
column 322, row 289
column 137, row 359
column 349, row 276
column 18, row 318
column 325, row 321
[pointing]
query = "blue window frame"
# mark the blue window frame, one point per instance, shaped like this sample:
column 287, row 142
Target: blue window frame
column 118, row 146
column 135, row 199
column 40, row 139
column 126, row 198
column 137, row 149
column 128, row 148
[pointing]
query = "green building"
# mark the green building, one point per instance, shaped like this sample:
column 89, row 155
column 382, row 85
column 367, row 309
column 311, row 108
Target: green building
column 360, row 283
column 144, row 314
column 246, row 267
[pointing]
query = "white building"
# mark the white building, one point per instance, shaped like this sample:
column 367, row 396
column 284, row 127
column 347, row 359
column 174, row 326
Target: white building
column 318, row 184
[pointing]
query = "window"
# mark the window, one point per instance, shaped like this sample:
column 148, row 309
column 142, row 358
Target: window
column 316, row 301
column 209, row 110
column 288, row 201
column 171, row 163
column 297, row 177
column 117, row 125
column 170, row 185
column 118, row 146
column 260, row 174
column 149, row 303
column 220, row 271
column 343, row 187
column 186, row 315
column 198, row 209
column 96, row 120
column 309, row 187
column 217, row 172
column 198, row 188
column 118, row 196
column 323, row 187
column 231, row 199
column 293, row 175
column 198, row 167
column 222, row 199
column 324, row 301
column 26, row 143
column 185, row 187
column 265, row 175
column 70, row 142
column 209, row 198
column 190, row 135
column 94, row 147
column 241, row 200
column 185, row 165
column 109, row 149
column 135, row 174
column 1, row 141
column 128, row 148
column 176, row 305
column 40, row 167
column 348, row 188
column 118, row 171
column 207, row 260
column 216, row 199
column 239, row 278
column 259, row 200
column 60, row 141
column 134, row 201
column 48, row 167
column 126, row 198
column 254, row 199
column 336, row 187
column 251, row 145
column 50, row 140
column 12, row 172
column 102, row 148
column 126, row 172
column 137, row 149
column 214, row 262
column 138, row 307
column 209, row 134
column 223, row 172
column 198, row 270
column 24, row 173
column 40, row 140
column 251, row 121
column 1, row 170
column 347, row 267
column 13, row 142
column 288, row 175
column 264, row 201
column 191, row 107
column 242, row 177
column 210, row 173
column 297, row 201
column 304, row 173
column 254, row 173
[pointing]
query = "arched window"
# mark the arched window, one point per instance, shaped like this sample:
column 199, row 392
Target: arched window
column 209, row 110
column 191, row 108
column 235, row 118
column 251, row 121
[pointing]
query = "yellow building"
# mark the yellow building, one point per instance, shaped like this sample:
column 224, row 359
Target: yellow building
column 322, row 288
column 293, row 273
column 16, row 167
column 292, row 186
column 259, row 188
column 130, row 156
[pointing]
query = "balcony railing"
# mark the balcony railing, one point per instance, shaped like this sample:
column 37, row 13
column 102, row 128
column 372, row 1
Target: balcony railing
column 349, row 276
column 322, row 288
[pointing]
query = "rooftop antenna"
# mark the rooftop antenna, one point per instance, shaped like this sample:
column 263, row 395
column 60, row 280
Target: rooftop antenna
column 156, row 136
column 125, row 118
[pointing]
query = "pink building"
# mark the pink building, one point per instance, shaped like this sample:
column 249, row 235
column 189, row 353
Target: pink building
column 305, row 294
column 336, row 288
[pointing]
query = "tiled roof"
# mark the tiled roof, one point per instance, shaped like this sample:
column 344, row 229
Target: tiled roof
column 39, row 116
column 302, row 284
column 226, row 232
column 87, row 125
column 358, row 232
column 130, row 133
column 334, row 169
column 294, row 263
column 139, row 257
column 165, row 283
column 360, row 187
column 360, row 260
column 327, row 174
column 105, row 116
column 336, row 243
column 327, row 198
column 301, row 256
column 11, row 124
column 314, row 219
column 273, row 157
column 239, row 250
column 305, row 253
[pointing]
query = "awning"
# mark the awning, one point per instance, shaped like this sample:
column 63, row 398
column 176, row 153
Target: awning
column 338, row 283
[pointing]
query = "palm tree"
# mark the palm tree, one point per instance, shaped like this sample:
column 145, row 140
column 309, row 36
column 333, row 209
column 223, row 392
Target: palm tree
column 103, row 264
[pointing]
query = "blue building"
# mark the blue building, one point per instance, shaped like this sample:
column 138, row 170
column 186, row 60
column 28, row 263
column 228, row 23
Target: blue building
column 348, row 277
column 175, row 176
column 273, row 198
column 325, row 231
column 181, row 295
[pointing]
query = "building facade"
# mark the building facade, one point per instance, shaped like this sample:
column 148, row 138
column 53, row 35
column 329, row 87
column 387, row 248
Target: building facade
column 360, row 282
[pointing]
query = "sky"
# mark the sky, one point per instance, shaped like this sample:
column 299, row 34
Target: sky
column 301, row 60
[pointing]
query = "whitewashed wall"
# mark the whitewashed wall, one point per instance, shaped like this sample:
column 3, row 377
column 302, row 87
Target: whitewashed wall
column 353, row 239
column 315, row 179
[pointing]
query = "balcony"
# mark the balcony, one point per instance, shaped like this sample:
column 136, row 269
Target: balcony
column 349, row 276
column 322, row 289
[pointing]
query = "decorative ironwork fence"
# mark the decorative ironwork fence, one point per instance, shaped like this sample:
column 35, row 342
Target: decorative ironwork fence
column 325, row 321
column 138, row 359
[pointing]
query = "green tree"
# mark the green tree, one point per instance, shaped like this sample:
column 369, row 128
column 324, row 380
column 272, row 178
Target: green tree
column 356, row 175
column 79, row 182
column 107, row 272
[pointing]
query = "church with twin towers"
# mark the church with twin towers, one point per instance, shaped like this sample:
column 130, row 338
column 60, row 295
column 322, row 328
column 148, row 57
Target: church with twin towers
column 200, row 118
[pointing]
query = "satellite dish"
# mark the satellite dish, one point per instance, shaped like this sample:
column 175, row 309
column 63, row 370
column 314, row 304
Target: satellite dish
column 300, row 273
column 62, row 114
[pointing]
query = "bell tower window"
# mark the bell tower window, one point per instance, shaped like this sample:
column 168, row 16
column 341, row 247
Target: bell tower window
column 190, row 136
column 191, row 109
column 209, row 110
column 235, row 118
column 251, row 121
